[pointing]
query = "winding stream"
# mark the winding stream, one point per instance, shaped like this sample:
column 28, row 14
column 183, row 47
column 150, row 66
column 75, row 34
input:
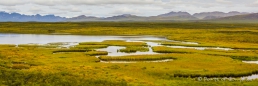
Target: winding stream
column 253, row 62
column 157, row 61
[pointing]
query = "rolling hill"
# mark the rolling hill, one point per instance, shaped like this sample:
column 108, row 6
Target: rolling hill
column 171, row 16
column 247, row 18
column 217, row 14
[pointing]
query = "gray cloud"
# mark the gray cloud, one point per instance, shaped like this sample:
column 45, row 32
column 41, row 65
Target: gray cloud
column 224, row 1
column 91, row 2
column 11, row 9
column 13, row 2
column 105, row 8
column 67, row 8
column 98, row 2
column 254, row 4
column 46, row 2
column 36, row 10
column 125, row 10
column 75, row 10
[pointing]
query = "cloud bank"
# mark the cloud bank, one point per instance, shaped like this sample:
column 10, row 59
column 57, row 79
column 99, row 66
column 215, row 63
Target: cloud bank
column 103, row 8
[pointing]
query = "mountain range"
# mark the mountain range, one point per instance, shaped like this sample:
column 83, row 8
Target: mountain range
column 246, row 18
column 217, row 14
column 171, row 16
column 176, row 16
column 16, row 17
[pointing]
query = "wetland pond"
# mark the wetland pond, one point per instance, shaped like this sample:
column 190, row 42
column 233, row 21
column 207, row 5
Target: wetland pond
column 44, row 39
column 72, row 40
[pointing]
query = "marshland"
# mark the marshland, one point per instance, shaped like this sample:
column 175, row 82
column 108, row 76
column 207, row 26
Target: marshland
column 128, row 53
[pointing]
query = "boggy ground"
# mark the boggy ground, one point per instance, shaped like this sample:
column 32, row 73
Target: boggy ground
column 38, row 66
column 32, row 65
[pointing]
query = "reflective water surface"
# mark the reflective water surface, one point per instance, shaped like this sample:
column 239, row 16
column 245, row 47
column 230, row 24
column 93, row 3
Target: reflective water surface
column 253, row 62
column 157, row 61
column 44, row 39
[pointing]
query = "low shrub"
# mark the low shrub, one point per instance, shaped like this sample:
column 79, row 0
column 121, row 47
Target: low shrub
column 93, row 53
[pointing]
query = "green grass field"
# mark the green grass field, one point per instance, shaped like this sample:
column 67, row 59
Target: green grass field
column 48, row 65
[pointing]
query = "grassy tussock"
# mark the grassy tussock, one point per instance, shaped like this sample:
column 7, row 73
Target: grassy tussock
column 206, row 45
column 7, row 45
column 202, row 62
column 235, row 54
column 130, row 49
column 136, row 58
column 37, row 46
column 20, row 78
column 163, row 49
column 92, row 43
column 89, row 46
column 218, row 75
column 13, row 64
column 71, row 50
column 94, row 53
column 20, row 66
column 188, row 45
column 58, row 43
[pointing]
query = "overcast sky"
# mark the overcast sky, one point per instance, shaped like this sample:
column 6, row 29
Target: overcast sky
column 106, row 8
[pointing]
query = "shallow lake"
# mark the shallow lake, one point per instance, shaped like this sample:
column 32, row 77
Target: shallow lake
column 44, row 39
column 75, row 39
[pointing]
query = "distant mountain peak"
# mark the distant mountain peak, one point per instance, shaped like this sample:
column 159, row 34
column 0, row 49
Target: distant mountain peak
column 81, row 16
column 172, row 13
column 216, row 14
column 3, row 12
column 233, row 12
column 121, row 17
column 126, row 15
